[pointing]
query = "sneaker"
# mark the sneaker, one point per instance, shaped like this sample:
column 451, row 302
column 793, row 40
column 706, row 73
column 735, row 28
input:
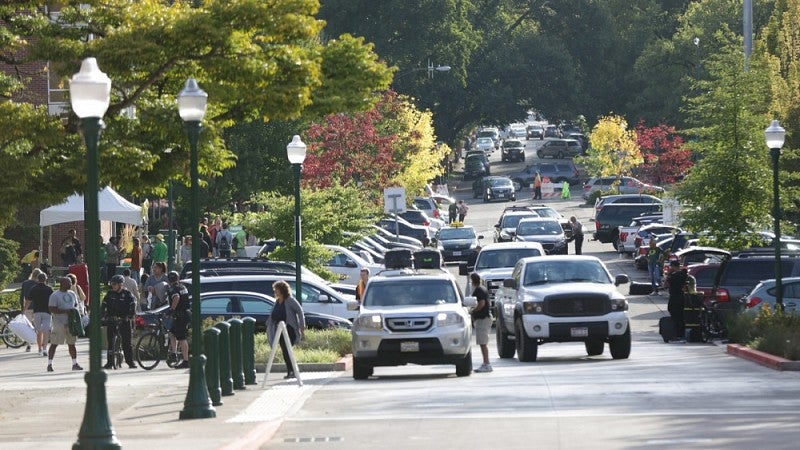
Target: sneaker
column 108, row 366
column 28, row 349
column 76, row 366
column 44, row 352
column 289, row 376
column 183, row 365
column 131, row 365
column 484, row 368
column 49, row 368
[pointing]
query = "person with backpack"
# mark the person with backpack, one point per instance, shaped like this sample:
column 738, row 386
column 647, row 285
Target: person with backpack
column 224, row 241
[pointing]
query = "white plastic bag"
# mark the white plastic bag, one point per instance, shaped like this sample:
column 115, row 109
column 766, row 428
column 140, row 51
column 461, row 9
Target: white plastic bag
column 23, row 328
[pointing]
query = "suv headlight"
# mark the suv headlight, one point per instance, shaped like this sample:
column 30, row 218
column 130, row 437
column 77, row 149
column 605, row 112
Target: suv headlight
column 505, row 234
column 619, row 304
column 370, row 321
column 449, row 319
column 532, row 307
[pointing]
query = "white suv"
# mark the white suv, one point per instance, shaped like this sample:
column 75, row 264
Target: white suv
column 412, row 316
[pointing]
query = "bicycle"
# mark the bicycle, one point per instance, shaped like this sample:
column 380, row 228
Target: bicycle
column 9, row 338
column 117, row 355
column 711, row 323
column 153, row 346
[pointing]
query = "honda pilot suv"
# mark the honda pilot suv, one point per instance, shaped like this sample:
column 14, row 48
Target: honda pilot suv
column 561, row 299
column 412, row 317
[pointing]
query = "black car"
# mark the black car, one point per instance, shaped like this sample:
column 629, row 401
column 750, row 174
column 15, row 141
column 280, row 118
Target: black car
column 513, row 150
column 230, row 304
column 474, row 167
column 416, row 217
column 458, row 243
column 494, row 188
column 406, row 229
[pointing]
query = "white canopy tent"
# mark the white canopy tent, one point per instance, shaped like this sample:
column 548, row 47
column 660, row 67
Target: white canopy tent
column 112, row 207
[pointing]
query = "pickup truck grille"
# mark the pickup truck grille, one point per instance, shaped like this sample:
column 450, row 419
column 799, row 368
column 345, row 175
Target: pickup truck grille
column 401, row 324
column 571, row 305
column 492, row 286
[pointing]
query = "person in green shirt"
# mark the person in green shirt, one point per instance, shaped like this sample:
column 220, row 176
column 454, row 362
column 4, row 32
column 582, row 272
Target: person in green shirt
column 655, row 259
column 159, row 249
column 240, row 239
column 101, row 254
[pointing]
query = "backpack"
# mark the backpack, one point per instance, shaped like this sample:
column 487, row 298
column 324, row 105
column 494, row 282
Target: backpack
column 224, row 245
column 235, row 243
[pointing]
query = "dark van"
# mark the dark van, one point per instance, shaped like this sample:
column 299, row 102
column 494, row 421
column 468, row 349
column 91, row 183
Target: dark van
column 612, row 216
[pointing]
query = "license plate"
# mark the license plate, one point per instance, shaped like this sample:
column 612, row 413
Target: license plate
column 456, row 253
column 502, row 195
column 579, row 332
column 409, row 346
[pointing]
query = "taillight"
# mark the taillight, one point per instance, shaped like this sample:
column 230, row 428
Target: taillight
column 752, row 302
column 637, row 242
column 586, row 187
column 597, row 225
column 139, row 322
column 723, row 295
column 426, row 223
column 623, row 236
column 436, row 213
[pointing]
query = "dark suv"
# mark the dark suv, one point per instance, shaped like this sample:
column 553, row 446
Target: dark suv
column 610, row 218
column 737, row 276
column 494, row 188
column 557, row 172
column 513, row 150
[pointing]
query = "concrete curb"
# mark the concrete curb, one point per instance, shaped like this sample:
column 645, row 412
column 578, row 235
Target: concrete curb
column 344, row 363
column 763, row 358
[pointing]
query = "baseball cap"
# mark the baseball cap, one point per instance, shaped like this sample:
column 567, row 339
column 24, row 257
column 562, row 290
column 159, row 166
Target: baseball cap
column 160, row 237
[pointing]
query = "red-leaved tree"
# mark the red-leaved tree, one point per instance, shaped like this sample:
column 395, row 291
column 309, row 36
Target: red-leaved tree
column 666, row 159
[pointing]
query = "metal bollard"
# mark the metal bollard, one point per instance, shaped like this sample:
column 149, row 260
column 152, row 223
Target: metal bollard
column 236, row 353
column 249, row 350
column 211, row 342
column 225, row 379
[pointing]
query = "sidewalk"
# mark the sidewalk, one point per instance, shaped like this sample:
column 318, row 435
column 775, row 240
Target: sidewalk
column 45, row 410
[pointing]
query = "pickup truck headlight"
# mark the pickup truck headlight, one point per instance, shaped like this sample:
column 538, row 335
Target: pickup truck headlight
column 448, row 319
column 532, row 307
column 370, row 321
column 619, row 304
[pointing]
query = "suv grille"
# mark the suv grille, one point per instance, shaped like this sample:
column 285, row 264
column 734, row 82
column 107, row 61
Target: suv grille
column 571, row 305
column 402, row 324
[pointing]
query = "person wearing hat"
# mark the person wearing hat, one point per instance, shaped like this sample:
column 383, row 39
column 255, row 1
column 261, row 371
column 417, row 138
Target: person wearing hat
column 178, row 297
column 160, row 249
column 676, row 283
column 119, row 306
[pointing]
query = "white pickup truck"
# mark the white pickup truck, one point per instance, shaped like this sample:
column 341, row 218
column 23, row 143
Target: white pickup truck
column 628, row 234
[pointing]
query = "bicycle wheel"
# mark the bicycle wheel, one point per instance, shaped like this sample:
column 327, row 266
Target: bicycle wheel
column 148, row 351
column 8, row 336
column 117, row 352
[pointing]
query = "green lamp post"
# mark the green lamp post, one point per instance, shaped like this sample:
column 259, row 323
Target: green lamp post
column 296, row 152
column 90, row 94
column 192, row 107
column 775, row 136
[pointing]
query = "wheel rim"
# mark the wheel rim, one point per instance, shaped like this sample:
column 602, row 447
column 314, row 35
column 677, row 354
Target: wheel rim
column 148, row 351
column 11, row 339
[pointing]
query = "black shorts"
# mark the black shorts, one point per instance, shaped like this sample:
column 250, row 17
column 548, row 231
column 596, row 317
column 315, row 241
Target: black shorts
column 180, row 328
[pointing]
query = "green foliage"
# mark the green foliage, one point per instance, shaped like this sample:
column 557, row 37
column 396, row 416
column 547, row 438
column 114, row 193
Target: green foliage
column 317, row 346
column 9, row 301
column 774, row 332
column 597, row 194
column 9, row 261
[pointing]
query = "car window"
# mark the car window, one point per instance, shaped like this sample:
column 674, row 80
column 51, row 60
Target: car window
column 456, row 233
column 565, row 271
column 503, row 258
column 339, row 260
column 539, row 228
column 404, row 293
column 744, row 272
column 421, row 204
column 217, row 305
column 790, row 290
column 511, row 221
column 251, row 305
column 500, row 182
column 706, row 276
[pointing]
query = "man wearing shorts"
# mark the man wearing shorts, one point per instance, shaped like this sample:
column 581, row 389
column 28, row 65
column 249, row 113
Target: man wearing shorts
column 39, row 298
column 61, row 302
column 179, row 305
column 482, row 320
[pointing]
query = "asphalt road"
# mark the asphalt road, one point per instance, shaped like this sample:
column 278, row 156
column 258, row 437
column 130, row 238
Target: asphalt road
column 663, row 396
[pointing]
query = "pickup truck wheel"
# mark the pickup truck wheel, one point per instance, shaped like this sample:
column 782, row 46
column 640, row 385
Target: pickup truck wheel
column 361, row 371
column 464, row 368
column 594, row 347
column 540, row 154
column 527, row 348
column 505, row 346
column 620, row 346
column 615, row 241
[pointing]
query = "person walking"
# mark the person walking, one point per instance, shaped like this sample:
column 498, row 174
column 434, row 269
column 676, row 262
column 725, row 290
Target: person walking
column 179, row 307
column 147, row 253
column 156, row 287
column 462, row 210
column 362, row 283
column 655, row 259
column 452, row 213
column 676, row 283
column 24, row 302
column 288, row 310
column 160, row 250
column 537, row 186
column 39, row 302
column 130, row 284
column 60, row 303
column 136, row 260
column 186, row 249
column 119, row 306
column 113, row 253
column 577, row 234
column 482, row 320
column 224, row 241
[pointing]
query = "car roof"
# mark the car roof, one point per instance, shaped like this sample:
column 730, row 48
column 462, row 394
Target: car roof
column 521, row 213
column 562, row 258
column 539, row 219
column 511, row 245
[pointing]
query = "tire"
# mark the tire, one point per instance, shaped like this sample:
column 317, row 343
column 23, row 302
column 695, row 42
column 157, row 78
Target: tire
column 147, row 351
column 464, row 368
column 523, row 158
column 505, row 346
column 117, row 355
column 485, row 199
column 527, row 348
column 521, row 183
column 615, row 241
column 620, row 346
column 540, row 154
column 10, row 339
column 361, row 371
column 560, row 155
column 594, row 347
column 541, row 138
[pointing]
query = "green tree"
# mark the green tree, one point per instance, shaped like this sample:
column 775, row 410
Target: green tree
column 614, row 150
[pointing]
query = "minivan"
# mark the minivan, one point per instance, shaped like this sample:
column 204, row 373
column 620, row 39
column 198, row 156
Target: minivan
column 560, row 148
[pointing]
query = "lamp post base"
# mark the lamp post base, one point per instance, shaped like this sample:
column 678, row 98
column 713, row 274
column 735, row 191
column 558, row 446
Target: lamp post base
column 96, row 430
column 198, row 403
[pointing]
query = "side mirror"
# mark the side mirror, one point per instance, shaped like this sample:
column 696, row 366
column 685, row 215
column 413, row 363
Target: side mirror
column 324, row 298
column 497, row 225
column 621, row 279
column 510, row 283
column 470, row 302
column 462, row 269
column 353, row 305
column 350, row 263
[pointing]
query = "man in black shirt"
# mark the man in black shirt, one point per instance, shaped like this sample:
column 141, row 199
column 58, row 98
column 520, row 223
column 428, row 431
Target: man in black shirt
column 39, row 300
column 577, row 234
column 178, row 297
column 676, row 282
column 482, row 320
column 119, row 306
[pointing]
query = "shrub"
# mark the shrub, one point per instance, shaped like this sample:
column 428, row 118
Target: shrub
column 773, row 332
column 9, row 301
column 597, row 194
column 317, row 346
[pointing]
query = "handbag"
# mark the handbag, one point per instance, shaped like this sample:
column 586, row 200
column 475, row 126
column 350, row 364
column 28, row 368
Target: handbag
column 75, row 323
column 23, row 328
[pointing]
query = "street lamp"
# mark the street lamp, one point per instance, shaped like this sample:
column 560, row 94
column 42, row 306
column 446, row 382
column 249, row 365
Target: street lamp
column 775, row 136
column 197, row 405
column 431, row 69
column 90, row 94
column 296, row 152
column 696, row 41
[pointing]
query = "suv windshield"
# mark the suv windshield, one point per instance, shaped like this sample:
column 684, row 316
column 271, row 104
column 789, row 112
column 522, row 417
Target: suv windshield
column 500, row 182
column 511, row 221
column 456, row 233
column 565, row 271
column 493, row 259
column 405, row 292
column 546, row 228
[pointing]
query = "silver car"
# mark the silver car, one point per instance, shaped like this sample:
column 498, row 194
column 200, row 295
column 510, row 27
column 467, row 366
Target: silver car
column 764, row 294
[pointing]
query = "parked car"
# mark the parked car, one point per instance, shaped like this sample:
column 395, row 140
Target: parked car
column 739, row 274
column 551, row 131
column 560, row 148
column 580, row 137
column 212, row 267
column 405, row 228
column 494, row 188
column 458, row 243
column 348, row 265
column 545, row 231
column 484, row 144
column 418, row 217
column 513, row 150
column 612, row 216
column 475, row 167
column 431, row 207
column 764, row 294
column 690, row 256
column 556, row 172
column 391, row 236
column 639, row 233
column 230, row 304
column 535, row 131
column 490, row 132
column 625, row 185
column 623, row 198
